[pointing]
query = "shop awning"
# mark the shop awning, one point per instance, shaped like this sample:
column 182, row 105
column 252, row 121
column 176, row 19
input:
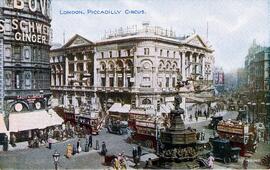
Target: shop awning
column 164, row 108
column 125, row 108
column 115, row 107
column 33, row 120
column 3, row 128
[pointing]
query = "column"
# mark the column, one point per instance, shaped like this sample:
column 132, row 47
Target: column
column 57, row 79
column 197, row 68
column 115, row 78
column 107, row 79
column 124, row 78
column 52, row 80
column 203, row 67
column 65, row 100
column 183, row 59
column 62, row 79
column 190, row 64
column 154, row 74
column 66, row 70
column 84, row 62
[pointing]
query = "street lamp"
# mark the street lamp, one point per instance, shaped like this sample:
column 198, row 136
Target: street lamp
column 56, row 157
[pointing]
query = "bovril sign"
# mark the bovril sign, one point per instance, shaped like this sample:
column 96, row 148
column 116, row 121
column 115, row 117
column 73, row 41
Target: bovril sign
column 26, row 30
column 33, row 5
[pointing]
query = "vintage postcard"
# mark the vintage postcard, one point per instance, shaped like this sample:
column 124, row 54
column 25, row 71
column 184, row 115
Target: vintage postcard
column 134, row 84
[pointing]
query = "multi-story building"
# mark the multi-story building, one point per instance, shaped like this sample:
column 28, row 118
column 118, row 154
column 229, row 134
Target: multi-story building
column 218, row 79
column 72, row 76
column 136, row 66
column 241, row 79
column 24, row 63
column 257, row 67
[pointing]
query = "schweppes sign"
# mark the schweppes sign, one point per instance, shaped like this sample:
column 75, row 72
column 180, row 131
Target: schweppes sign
column 27, row 30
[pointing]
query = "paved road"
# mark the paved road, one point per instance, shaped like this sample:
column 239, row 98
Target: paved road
column 41, row 158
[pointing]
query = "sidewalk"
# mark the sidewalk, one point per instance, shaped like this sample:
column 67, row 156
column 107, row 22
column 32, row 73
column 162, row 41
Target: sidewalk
column 23, row 146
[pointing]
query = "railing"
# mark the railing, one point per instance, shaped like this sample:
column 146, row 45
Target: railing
column 73, row 88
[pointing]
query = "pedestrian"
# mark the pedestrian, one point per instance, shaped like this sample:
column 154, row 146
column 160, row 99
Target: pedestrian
column 139, row 151
column 79, row 149
column 50, row 142
column 90, row 140
column 196, row 116
column 205, row 115
column 69, row 151
column 13, row 140
column 97, row 145
column 245, row 164
column 103, row 149
column 190, row 117
column 86, row 147
column 116, row 164
column 202, row 135
column 135, row 156
column 211, row 161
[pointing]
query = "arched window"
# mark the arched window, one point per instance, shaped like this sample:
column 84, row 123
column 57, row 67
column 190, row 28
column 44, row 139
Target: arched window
column 146, row 101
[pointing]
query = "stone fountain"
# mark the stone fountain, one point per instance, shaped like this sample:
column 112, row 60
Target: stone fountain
column 176, row 134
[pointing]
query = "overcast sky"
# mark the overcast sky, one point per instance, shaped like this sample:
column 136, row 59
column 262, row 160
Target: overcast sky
column 232, row 24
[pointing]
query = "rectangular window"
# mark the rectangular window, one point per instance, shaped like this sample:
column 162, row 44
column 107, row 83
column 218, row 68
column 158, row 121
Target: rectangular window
column 120, row 82
column 173, row 81
column 17, row 52
column 167, row 81
column 128, row 52
column 146, row 78
column 102, row 54
column 129, row 83
column 160, row 53
column 110, row 54
column 146, row 51
column 111, row 81
column 119, row 53
column 103, row 81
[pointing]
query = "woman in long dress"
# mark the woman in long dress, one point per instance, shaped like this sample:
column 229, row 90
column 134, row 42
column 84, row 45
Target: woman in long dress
column 69, row 151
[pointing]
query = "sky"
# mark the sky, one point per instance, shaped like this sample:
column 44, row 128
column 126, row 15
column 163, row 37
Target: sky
column 232, row 24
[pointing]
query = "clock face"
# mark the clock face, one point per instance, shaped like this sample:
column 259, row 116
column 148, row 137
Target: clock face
column 18, row 107
column 38, row 105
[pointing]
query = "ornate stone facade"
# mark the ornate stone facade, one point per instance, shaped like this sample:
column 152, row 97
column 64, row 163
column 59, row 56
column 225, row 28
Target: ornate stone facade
column 141, row 67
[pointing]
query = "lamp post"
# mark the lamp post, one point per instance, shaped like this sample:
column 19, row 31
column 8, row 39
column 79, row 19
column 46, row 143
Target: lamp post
column 56, row 157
